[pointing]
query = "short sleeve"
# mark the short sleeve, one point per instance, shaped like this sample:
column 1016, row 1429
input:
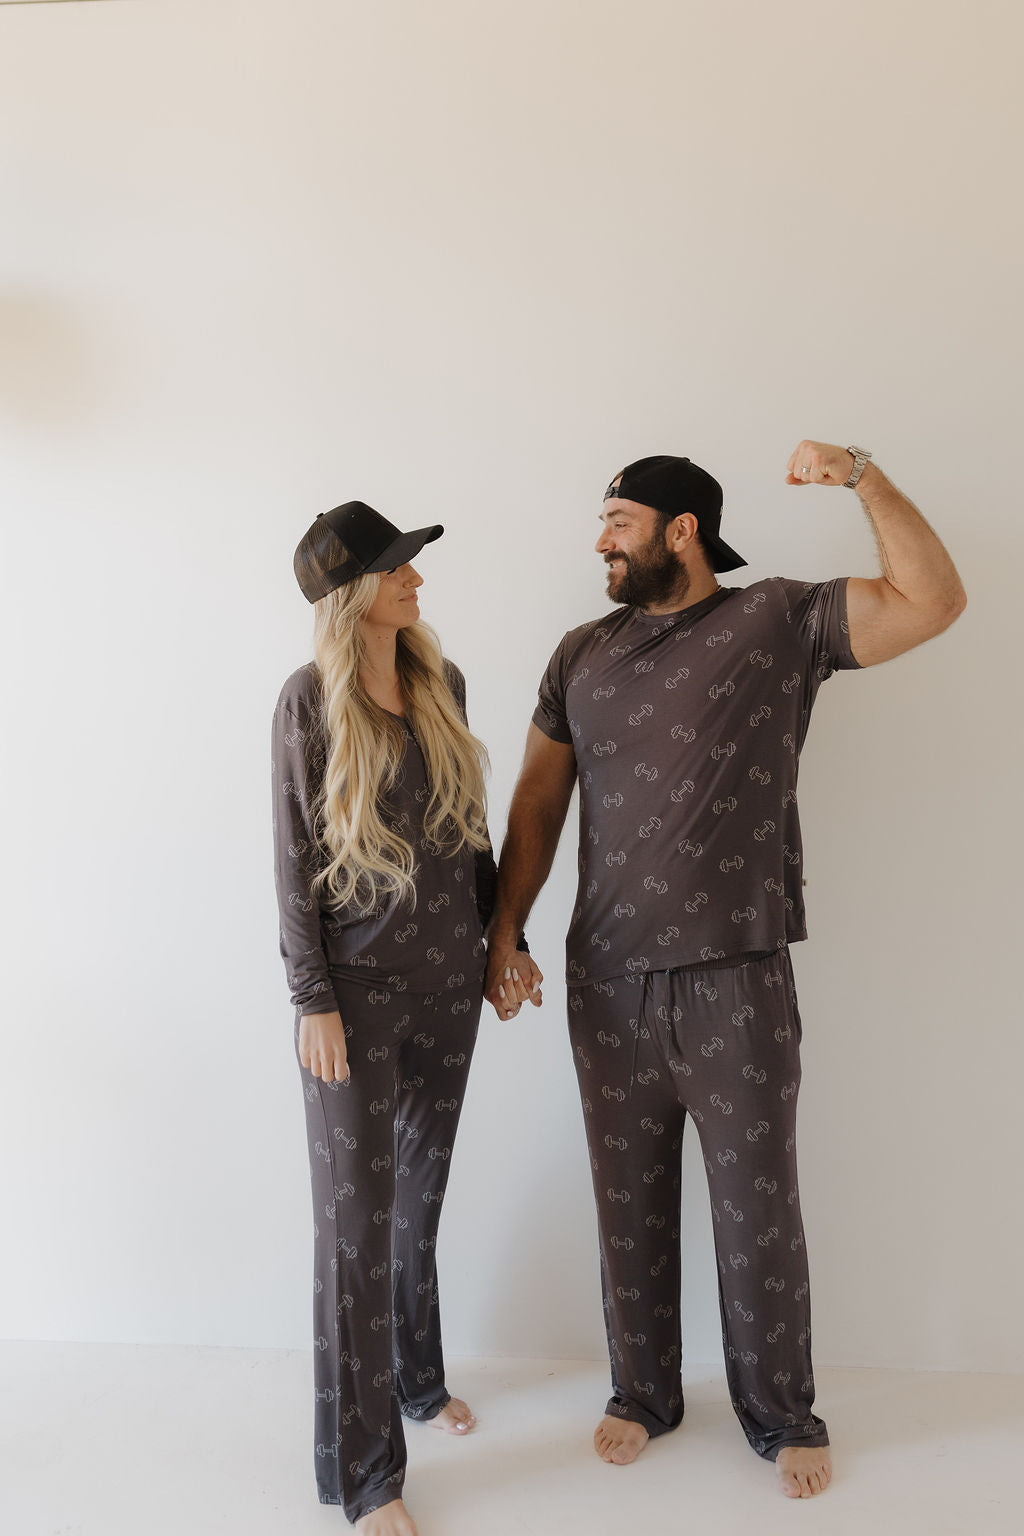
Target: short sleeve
column 549, row 715
column 817, row 611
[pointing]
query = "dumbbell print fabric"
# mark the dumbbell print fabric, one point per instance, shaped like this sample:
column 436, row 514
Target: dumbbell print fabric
column 722, row 1047
column 439, row 945
column 380, row 1148
column 687, row 730
column 408, row 985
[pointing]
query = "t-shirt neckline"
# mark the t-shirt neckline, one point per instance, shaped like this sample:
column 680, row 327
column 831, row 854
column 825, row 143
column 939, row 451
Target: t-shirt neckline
column 682, row 615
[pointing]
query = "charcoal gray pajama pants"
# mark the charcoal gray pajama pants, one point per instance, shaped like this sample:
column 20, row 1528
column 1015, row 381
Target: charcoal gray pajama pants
column 380, row 1148
column 722, row 1046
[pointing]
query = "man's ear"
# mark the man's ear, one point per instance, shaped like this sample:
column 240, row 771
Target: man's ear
column 680, row 532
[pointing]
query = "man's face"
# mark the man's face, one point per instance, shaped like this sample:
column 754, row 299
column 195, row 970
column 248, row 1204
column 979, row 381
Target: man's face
column 641, row 568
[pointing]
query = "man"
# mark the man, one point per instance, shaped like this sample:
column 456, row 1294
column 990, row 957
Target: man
column 682, row 715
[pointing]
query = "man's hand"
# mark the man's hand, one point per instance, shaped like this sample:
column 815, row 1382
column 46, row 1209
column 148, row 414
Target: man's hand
column 322, row 1048
column 512, row 979
column 819, row 464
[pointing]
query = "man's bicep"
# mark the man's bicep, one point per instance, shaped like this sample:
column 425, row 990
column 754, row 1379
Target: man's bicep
column 881, row 622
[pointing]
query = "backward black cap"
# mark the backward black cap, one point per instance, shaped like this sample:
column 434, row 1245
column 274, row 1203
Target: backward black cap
column 676, row 485
column 353, row 540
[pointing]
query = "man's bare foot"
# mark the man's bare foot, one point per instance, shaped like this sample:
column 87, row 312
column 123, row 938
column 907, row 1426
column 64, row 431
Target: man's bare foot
column 455, row 1418
column 804, row 1470
column 390, row 1520
column 619, row 1440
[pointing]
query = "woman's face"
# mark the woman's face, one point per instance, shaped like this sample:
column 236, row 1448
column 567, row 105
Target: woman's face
column 396, row 605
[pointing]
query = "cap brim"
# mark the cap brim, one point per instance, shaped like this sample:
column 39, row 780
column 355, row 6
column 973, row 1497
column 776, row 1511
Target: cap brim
column 404, row 549
column 723, row 556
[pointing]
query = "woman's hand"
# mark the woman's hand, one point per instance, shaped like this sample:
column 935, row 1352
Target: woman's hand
column 322, row 1049
column 512, row 979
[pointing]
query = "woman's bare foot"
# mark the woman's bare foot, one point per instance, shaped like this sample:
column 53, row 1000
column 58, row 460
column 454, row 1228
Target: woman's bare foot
column 455, row 1418
column 804, row 1470
column 390, row 1520
column 619, row 1440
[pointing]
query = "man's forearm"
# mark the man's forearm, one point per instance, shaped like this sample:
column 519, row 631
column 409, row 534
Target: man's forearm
column 914, row 561
column 526, row 858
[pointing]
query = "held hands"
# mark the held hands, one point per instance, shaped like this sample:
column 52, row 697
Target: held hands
column 512, row 979
column 322, row 1048
column 819, row 464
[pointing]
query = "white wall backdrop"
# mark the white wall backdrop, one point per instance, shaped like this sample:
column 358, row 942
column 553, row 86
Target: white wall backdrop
column 463, row 261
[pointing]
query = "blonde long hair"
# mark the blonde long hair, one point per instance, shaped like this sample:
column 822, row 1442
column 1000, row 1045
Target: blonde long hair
column 370, row 862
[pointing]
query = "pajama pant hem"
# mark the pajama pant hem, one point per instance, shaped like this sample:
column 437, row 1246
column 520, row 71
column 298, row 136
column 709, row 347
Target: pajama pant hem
column 632, row 1413
column 364, row 1507
column 425, row 1418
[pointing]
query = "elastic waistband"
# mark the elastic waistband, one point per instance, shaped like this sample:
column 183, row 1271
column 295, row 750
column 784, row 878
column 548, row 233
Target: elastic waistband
column 719, row 963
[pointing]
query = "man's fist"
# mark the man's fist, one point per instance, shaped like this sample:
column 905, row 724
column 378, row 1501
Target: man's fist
column 818, row 464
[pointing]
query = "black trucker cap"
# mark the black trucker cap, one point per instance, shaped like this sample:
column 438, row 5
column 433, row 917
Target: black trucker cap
column 353, row 540
column 674, row 486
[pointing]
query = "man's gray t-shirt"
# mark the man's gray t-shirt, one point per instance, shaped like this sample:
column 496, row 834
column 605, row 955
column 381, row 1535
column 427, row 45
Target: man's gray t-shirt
column 687, row 730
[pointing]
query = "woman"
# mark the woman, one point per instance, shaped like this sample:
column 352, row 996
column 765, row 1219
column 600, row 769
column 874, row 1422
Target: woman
column 385, row 879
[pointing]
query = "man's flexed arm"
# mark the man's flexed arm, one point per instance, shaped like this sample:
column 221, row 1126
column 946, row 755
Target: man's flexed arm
column 535, row 821
column 919, row 593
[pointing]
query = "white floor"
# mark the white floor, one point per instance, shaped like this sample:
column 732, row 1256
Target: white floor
column 114, row 1440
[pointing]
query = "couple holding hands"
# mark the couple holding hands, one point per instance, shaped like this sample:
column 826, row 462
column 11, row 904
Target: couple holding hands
column 680, row 715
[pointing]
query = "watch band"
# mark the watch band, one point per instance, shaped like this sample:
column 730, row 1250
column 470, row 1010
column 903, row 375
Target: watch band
column 860, row 458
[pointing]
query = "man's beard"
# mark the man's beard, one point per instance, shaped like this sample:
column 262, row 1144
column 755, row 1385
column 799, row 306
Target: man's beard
column 651, row 575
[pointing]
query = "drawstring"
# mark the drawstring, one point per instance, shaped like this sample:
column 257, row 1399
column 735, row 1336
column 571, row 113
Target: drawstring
column 636, row 1023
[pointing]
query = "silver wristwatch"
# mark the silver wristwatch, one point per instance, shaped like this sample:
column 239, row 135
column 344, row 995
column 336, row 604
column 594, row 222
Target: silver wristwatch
column 860, row 458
